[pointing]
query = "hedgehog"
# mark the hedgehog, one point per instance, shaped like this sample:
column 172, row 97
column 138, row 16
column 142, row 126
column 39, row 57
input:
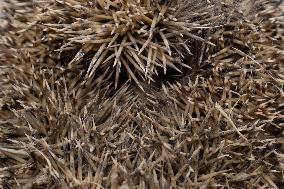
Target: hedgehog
column 69, row 120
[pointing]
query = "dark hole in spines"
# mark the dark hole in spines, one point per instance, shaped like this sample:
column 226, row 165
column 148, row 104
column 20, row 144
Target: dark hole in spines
column 67, row 56
column 171, row 76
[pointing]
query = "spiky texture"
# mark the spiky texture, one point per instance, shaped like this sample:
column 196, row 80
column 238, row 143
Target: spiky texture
column 142, row 38
column 220, row 126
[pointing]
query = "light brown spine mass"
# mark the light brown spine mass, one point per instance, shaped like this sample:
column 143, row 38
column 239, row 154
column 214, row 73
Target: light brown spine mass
column 142, row 94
